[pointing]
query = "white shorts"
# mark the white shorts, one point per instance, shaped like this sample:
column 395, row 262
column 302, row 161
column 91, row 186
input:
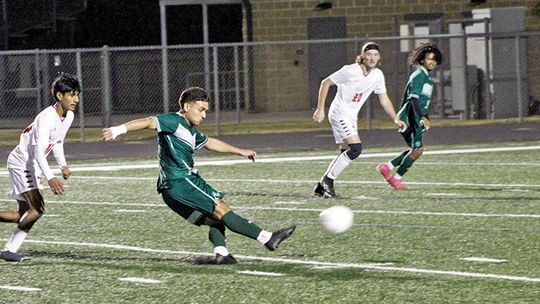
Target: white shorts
column 23, row 180
column 343, row 127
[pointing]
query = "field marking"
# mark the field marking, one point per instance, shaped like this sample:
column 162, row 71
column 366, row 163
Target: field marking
column 129, row 211
column 261, row 273
column 139, row 280
column 483, row 260
column 146, row 165
column 303, row 262
column 285, row 181
column 19, row 288
column 510, row 215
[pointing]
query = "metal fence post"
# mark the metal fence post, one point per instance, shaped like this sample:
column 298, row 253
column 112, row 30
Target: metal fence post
column 216, row 87
column 81, row 98
column 106, row 86
column 518, row 80
column 489, row 101
column 38, row 82
column 237, row 83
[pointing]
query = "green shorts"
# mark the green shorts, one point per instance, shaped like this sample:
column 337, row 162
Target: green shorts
column 192, row 198
column 413, row 134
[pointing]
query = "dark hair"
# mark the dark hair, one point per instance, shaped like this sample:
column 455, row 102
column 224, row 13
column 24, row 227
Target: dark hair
column 418, row 55
column 63, row 83
column 191, row 95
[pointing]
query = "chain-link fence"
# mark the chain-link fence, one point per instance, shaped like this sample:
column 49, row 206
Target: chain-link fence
column 482, row 77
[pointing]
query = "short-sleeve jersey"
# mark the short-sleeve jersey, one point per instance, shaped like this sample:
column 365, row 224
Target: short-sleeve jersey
column 47, row 130
column 177, row 142
column 419, row 86
column 353, row 89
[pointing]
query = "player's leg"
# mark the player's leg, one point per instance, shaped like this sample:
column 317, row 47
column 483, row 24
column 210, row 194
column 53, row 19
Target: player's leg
column 27, row 189
column 14, row 216
column 245, row 227
column 414, row 138
column 348, row 140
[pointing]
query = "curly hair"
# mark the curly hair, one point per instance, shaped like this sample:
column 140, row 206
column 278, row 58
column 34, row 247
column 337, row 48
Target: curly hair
column 191, row 95
column 417, row 56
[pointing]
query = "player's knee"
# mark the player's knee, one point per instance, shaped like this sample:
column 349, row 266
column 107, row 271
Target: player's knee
column 415, row 154
column 354, row 151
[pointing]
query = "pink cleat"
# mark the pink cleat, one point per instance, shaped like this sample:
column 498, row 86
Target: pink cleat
column 384, row 170
column 396, row 183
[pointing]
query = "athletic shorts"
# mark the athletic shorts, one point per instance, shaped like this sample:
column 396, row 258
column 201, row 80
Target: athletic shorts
column 192, row 198
column 343, row 127
column 22, row 180
column 413, row 134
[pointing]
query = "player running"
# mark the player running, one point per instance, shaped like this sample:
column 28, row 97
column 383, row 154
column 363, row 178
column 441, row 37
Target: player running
column 180, row 184
column 28, row 161
column 414, row 110
column 355, row 82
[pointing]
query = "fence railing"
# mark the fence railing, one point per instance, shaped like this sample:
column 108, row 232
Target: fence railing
column 483, row 76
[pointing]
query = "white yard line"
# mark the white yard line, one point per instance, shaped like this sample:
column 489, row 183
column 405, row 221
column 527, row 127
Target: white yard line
column 146, row 165
column 139, row 280
column 483, row 260
column 19, row 288
column 316, row 210
column 287, row 181
column 303, row 262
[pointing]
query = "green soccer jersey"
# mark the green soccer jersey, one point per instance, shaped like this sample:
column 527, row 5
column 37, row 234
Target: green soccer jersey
column 419, row 86
column 177, row 140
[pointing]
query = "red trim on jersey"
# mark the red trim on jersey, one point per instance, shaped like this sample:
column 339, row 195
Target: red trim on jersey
column 48, row 149
column 27, row 129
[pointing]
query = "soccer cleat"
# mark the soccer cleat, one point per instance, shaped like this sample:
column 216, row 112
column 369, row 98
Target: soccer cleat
column 327, row 185
column 396, row 183
column 278, row 237
column 218, row 259
column 10, row 256
column 384, row 170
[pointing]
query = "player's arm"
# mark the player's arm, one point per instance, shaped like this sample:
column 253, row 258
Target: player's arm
column 133, row 125
column 318, row 116
column 389, row 109
column 40, row 144
column 217, row 145
column 58, row 153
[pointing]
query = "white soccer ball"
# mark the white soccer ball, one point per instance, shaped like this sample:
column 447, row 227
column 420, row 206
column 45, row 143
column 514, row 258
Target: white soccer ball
column 337, row 219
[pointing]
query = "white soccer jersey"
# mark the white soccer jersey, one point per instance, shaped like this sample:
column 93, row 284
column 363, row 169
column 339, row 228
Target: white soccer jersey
column 353, row 89
column 45, row 134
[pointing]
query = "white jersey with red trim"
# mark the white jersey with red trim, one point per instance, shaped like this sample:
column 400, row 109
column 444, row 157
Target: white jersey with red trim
column 353, row 89
column 45, row 134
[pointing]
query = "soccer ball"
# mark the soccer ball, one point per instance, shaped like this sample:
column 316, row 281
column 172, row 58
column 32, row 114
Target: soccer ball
column 337, row 219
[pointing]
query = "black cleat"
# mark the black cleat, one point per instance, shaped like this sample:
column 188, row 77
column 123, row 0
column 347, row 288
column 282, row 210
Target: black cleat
column 278, row 237
column 218, row 259
column 328, row 187
column 10, row 256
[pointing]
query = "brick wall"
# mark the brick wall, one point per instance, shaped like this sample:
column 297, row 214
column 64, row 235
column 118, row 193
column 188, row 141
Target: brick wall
column 279, row 20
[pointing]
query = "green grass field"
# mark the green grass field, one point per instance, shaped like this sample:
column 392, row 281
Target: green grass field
column 405, row 247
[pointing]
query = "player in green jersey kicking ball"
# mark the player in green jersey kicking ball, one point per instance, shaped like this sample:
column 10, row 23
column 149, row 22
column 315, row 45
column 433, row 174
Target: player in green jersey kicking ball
column 414, row 111
column 179, row 183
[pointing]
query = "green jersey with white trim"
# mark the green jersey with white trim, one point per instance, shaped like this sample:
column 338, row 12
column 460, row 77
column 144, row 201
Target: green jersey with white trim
column 177, row 142
column 419, row 86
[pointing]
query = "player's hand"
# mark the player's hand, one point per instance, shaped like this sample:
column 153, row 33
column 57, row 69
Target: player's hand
column 107, row 134
column 425, row 122
column 402, row 126
column 66, row 173
column 57, row 187
column 249, row 154
column 318, row 116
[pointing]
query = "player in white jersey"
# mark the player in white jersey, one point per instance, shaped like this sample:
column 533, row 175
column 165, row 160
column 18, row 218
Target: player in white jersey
column 28, row 161
column 355, row 83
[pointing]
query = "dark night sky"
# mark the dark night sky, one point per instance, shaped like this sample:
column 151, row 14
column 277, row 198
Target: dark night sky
column 136, row 22
column 129, row 23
